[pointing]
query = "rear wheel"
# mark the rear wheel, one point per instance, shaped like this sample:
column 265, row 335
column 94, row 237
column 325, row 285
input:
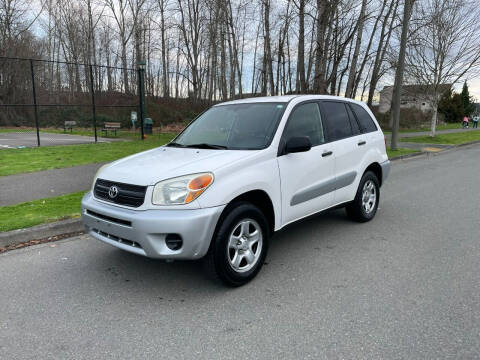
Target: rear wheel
column 364, row 207
column 239, row 246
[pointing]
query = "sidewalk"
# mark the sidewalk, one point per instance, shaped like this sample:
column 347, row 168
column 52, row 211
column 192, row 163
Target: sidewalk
column 43, row 184
column 426, row 133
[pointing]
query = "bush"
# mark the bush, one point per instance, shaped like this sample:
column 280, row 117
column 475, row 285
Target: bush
column 164, row 112
column 410, row 118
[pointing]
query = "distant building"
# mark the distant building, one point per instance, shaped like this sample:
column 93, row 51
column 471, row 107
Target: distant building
column 413, row 96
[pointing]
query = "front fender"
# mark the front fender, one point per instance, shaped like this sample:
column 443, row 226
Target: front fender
column 240, row 178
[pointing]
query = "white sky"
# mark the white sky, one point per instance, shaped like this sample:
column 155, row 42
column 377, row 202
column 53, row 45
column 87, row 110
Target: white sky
column 473, row 87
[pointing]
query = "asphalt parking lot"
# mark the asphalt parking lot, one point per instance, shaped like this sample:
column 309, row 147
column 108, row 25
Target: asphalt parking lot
column 9, row 140
column 403, row 286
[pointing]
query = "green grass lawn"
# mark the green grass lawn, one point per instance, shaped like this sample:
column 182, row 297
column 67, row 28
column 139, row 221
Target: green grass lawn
column 400, row 152
column 36, row 212
column 16, row 161
column 448, row 139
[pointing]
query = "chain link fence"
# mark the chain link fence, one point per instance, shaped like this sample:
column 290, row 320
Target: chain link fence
column 57, row 103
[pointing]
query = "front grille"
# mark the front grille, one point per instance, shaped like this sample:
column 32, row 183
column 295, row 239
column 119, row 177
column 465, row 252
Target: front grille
column 128, row 195
column 109, row 218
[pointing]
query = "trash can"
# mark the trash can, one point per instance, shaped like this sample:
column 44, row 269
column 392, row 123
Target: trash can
column 147, row 125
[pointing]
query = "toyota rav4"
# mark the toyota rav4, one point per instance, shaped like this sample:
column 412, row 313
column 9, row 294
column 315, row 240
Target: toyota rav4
column 236, row 174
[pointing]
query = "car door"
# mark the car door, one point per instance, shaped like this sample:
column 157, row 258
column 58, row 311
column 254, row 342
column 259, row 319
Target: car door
column 307, row 178
column 372, row 137
column 348, row 145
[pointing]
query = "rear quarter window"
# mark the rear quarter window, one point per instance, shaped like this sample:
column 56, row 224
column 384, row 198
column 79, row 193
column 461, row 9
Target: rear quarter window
column 364, row 119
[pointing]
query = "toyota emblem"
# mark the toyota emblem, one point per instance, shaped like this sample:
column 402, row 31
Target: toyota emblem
column 113, row 192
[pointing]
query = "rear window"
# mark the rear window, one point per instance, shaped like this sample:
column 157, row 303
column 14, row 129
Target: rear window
column 338, row 123
column 364, row 119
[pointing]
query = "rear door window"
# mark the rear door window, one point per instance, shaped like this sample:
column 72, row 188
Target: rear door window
column 364, row 119
column 337, row 121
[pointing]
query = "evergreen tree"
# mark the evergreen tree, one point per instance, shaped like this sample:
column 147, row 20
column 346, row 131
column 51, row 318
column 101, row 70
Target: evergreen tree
column 451, row 106
column 468, row 102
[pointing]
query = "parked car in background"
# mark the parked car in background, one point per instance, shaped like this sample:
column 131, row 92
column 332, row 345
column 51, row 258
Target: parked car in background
column 239, row 172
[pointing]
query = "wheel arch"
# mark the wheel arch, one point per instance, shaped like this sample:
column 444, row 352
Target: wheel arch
column 377, row 170
column 260, row 199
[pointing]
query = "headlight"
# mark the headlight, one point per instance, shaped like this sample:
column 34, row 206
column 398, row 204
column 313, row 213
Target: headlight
column 96, row 175
column 181, row 190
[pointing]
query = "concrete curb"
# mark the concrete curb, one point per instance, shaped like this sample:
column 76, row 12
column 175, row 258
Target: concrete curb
column 466, row 144
column 41, row 231
column 407, row 156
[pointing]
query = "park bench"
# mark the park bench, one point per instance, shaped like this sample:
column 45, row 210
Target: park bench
column 69, row 125
column 111, row 126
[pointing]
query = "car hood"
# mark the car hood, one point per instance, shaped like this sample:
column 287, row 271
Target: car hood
column 152, row 166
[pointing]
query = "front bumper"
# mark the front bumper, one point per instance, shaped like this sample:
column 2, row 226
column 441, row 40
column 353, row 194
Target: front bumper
column 144, row 232
column 385, row 170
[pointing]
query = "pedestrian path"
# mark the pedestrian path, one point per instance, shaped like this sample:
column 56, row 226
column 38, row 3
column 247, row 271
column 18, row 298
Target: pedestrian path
column 426, row 133
column 43, row 184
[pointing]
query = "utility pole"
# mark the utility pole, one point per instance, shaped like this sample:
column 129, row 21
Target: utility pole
column 141, row 93
column 35, row 106
column 92, row 93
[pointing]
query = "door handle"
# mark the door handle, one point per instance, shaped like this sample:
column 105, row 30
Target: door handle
column 362, row 143
column 327, row 153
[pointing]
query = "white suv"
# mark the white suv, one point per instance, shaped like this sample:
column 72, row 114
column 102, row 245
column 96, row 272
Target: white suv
column 239, row 172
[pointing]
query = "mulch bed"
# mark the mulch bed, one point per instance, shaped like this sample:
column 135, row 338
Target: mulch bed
column 40, row 241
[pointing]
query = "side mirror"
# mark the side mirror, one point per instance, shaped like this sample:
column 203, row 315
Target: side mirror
column 298, row 144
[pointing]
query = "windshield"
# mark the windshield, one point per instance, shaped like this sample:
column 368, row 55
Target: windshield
column 240, row 127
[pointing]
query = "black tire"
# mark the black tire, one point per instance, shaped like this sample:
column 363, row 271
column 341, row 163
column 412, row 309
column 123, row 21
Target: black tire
column 217, row 262
column 355, row 210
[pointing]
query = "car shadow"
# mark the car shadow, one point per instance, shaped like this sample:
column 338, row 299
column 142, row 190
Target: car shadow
column 154, row 277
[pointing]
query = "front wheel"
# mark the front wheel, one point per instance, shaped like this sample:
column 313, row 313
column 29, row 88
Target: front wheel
column 364, row 207
column 239, row 246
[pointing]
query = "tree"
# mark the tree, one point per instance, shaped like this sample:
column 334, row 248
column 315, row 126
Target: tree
column 353, row 67
column 445, row 48
column 388, row 25
column 319, row 79
column 301, row 85
column 216, row 49
column 467, row 101
column 397, row 89
column 268, row 71
column 451, row 106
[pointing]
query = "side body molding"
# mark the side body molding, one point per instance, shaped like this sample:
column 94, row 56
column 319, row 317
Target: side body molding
column 323, row 188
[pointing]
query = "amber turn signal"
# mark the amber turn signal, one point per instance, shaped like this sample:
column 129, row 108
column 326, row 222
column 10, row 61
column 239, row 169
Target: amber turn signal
column 197, row 186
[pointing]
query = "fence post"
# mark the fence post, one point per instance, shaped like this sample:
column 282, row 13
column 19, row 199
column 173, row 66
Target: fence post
column 92, row 93
column 141, row 93
column 32, row 72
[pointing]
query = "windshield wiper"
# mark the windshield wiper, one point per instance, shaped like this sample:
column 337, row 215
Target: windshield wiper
column 206, row 146
column 174, row 144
